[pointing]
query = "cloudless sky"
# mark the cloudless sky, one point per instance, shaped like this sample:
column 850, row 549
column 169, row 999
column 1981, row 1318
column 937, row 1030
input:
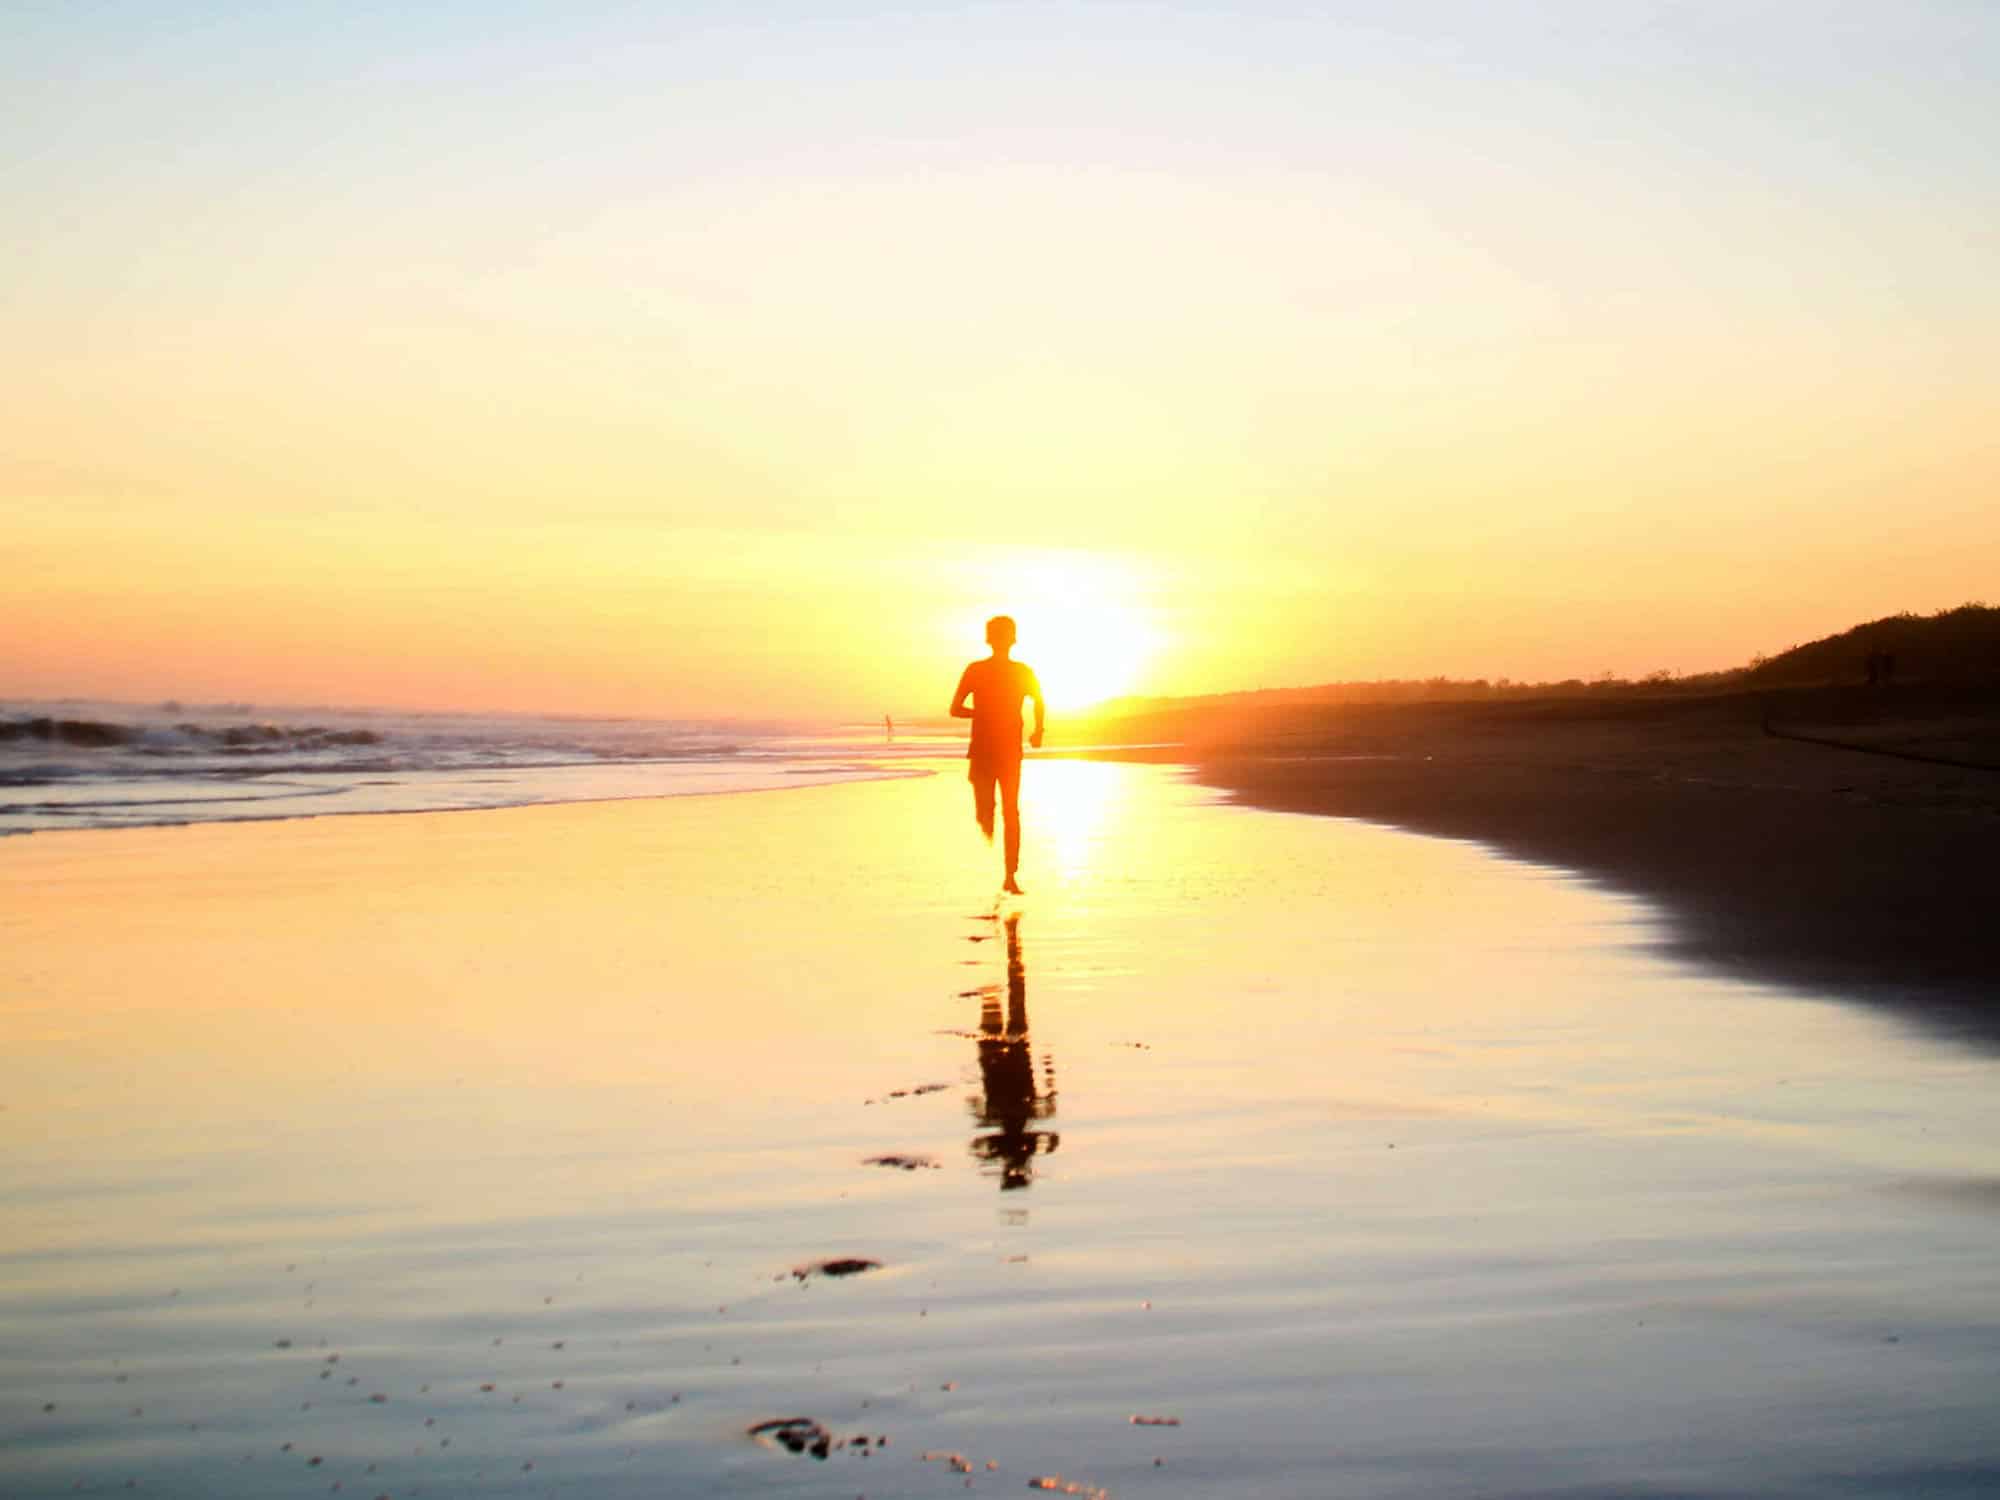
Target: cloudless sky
column 710, row 359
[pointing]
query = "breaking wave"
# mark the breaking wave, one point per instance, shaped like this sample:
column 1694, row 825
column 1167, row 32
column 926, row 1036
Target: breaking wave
column 90, row 765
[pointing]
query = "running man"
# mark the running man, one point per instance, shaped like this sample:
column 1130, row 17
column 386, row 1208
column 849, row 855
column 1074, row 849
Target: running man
column 997, row 686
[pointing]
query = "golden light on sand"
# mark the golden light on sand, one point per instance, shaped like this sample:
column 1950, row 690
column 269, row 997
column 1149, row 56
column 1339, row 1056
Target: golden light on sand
column 1072, row 804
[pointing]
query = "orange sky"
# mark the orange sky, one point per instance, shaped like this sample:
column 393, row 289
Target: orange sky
column 591, row 361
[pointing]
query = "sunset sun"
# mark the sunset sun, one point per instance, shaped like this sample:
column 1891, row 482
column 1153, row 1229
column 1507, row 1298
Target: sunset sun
column 1086, row 653
column 1084, row 626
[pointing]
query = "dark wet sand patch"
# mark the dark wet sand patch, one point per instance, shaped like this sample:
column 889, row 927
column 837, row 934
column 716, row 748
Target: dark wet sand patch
column 795, row 1435
column 850, row 1265
column 808, row 1436
column 916, row 1092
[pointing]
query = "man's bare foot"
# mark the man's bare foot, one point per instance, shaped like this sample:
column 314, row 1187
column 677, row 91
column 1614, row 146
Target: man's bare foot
column 1013, row 887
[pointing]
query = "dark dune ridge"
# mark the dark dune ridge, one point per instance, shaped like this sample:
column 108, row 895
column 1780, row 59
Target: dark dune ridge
column 1844, row 840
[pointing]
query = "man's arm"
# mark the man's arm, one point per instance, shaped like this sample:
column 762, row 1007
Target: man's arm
column 958, row 708
column 1035, row 692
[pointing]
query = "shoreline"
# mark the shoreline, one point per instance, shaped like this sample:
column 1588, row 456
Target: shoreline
column 1799, row 857
column 1775, row 857
column 807, row 782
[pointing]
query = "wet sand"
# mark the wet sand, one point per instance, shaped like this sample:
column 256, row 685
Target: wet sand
column 675, row 1147
column 1776, row 835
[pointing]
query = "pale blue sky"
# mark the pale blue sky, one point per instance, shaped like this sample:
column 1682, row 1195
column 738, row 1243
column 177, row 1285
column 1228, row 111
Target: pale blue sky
column 1848, row 143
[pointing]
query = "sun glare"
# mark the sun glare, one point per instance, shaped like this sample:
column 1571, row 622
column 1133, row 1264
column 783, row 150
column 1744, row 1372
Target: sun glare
column 1071, row 804
column 1084, row 628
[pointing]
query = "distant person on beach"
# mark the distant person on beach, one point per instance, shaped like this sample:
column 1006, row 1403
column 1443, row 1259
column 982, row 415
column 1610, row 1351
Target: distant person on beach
column 997, row 686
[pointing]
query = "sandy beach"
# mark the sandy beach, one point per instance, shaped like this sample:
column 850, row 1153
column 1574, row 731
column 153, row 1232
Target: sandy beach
column 1838, row 840
column 553, row 1150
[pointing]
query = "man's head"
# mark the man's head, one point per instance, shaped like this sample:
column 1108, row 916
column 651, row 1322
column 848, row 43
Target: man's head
column 1000, row 632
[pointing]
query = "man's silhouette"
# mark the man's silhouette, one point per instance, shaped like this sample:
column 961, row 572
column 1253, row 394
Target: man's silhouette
column 997, row 687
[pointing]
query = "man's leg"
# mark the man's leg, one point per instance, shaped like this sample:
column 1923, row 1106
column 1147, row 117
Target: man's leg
column 1010, row 808
column 982, row 798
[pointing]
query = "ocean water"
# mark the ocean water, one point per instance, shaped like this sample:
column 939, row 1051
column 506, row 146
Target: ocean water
column 79, row 764
column 516, row 1153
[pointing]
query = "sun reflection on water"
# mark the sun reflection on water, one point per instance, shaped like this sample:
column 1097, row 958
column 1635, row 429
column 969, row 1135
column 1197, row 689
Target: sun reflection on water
column 1071, row 809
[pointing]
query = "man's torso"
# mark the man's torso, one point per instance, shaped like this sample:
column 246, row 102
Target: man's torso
column 998, row 690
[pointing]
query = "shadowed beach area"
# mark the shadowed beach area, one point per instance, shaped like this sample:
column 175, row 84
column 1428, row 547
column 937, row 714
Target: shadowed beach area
column 1842, row 840
column 749, row 1145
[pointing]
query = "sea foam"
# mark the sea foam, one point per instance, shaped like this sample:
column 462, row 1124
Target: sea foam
column 81, row 764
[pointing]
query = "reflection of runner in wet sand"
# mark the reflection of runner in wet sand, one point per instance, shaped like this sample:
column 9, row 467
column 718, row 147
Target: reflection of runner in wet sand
column 997, row 686
column 1011, row 1102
